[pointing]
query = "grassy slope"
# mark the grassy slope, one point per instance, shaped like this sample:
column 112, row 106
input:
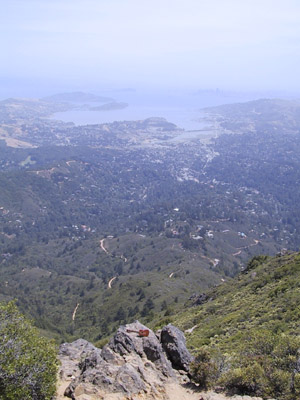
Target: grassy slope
column 246, row 336
column 266, row 295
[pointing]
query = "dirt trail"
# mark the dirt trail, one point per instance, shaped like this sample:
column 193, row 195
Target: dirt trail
column 61, row 387
column 246, row 247
column 173, row 391
column 74, row 312
column 183, row 392
column 102, row 246
column 191, row 329
column 110, row 282
column 107, row 252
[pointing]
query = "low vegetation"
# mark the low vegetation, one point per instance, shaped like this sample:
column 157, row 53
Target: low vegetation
column 28, row 362
column 246, row 336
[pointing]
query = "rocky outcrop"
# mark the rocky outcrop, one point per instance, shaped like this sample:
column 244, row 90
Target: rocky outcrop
column 198, row 299
column 174, row 344
column 71, row 356
column 129, row 366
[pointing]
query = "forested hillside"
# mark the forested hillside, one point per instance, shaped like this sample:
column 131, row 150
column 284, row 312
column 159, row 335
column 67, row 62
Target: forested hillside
column 103, row 224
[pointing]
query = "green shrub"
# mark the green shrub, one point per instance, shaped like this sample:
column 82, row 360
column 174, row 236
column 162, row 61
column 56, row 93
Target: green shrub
column 245, row 380
column 255, row 261
column 102, row 342
column 28, row 362
column 279, row 383
column 265, row 366
column 296, row 386
column 204, row 370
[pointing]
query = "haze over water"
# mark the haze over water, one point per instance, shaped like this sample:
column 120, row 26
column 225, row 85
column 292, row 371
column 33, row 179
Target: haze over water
column 51, row 46
column 183, row 109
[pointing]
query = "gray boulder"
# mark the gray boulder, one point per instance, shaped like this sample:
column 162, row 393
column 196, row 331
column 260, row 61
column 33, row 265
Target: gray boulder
column 174, row 344
column 126, row 342
column 129, row 365
column 72, row 355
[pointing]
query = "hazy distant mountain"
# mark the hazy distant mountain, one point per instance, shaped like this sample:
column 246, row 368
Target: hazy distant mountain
column 79, row 97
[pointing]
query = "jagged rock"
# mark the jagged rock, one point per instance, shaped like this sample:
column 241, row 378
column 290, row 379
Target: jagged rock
column 174, row 344
column 111, row 357
column 198, row 299
column 71, row 356
column 129, row 365
column 125, row 342
column 128, row 378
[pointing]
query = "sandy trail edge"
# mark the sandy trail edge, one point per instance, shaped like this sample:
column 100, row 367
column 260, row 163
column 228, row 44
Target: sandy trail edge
column 173, row 390
column 178, row 392
column 61, row 387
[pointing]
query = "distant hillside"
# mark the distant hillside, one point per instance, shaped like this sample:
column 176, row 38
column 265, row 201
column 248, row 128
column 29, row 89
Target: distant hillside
column 274, row 116
column 13, row 110
column 247, row 331
column 79, row 97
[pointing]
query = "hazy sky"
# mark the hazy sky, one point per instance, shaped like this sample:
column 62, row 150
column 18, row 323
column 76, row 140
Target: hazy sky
column 235, row 44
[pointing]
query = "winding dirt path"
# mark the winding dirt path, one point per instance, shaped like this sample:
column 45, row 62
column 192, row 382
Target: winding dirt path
column 122, row 257
column 246, row 247
column 102, row 246
column 110, row 282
